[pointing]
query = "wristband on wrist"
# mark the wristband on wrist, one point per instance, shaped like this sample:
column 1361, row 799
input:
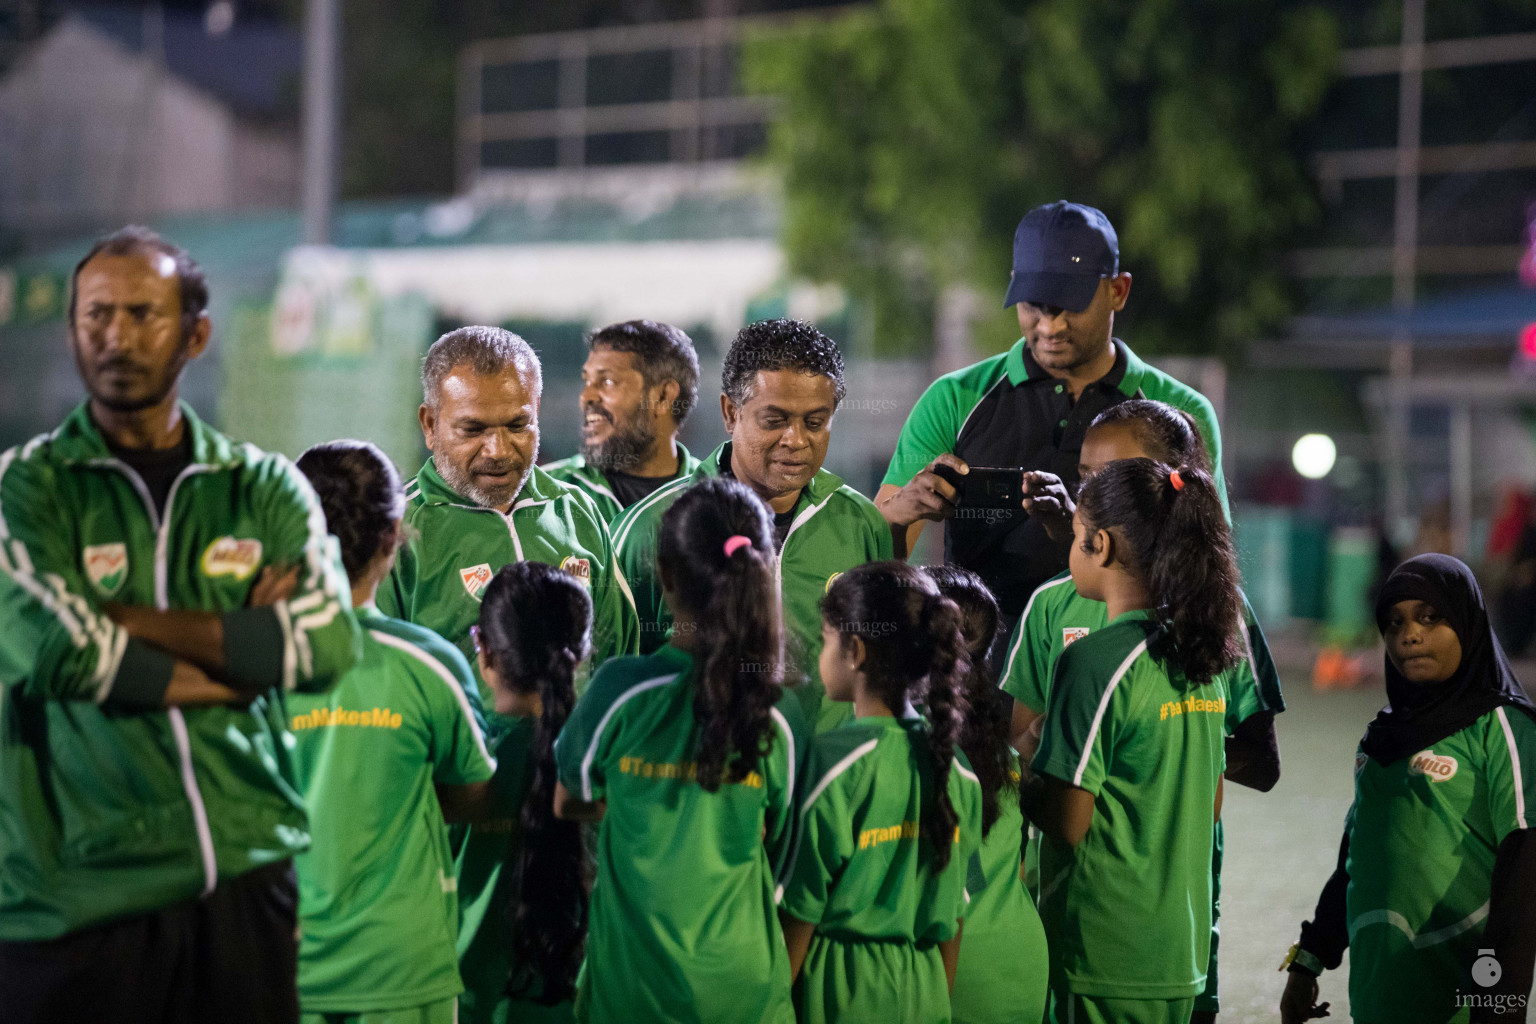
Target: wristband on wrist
column 1298, row 957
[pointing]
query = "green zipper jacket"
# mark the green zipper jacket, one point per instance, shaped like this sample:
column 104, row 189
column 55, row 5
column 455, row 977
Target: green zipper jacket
column 835, row 528
column 578, row 473
column 442, row 571
column 110, row 806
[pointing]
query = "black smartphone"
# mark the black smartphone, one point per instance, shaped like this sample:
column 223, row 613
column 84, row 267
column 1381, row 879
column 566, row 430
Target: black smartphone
column 987, row 486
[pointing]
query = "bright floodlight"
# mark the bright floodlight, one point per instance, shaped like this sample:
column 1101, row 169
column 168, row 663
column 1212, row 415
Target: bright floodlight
column 219, row 18
column 1314, row 455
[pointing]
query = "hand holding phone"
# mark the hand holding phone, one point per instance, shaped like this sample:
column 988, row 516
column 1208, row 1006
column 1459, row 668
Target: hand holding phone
column 987, row 486
column 1046, row 498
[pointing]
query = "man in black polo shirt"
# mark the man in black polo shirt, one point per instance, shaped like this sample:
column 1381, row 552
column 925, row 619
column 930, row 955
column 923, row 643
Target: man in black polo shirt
column 1030, row 407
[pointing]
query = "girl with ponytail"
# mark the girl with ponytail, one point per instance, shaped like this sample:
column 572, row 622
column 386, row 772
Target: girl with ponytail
column 1056, row 613
column 1130, row 760
column 891, row 820
column 535, row 627
column 380, row 756
column 690, row 758
column 1002, row 972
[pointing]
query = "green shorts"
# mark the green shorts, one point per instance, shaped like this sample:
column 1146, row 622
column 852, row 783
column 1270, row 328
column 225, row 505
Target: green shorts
column 1004, row 967
column 1207, row 1001
column 865, row 982
column 1067, row 1008
column 444, row 1011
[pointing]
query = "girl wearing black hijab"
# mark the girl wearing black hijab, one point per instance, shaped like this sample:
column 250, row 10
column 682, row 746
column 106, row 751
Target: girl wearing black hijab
column 1435, row 890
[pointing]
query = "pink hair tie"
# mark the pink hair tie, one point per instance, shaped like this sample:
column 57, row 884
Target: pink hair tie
column 735, row 543
column 1176, row 480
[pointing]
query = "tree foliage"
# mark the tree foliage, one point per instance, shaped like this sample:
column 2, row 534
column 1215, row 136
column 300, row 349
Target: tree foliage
column 914, row 133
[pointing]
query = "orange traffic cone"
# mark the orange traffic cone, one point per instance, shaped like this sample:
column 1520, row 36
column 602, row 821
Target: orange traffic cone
column 1329, row 669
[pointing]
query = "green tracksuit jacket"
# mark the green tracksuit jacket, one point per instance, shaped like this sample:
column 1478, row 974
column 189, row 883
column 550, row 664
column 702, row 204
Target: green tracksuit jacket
column 109, row 805
column 442, row 571
column 835, row 528
column 579, row 473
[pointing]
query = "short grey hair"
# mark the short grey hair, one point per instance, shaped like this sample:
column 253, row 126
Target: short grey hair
column 485, row 350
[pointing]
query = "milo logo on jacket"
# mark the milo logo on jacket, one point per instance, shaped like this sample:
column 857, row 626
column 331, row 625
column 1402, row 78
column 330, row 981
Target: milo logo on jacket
column 232, row 556
column 1437, row 767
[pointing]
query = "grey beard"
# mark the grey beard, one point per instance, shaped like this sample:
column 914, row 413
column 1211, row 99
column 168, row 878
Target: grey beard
column 459, row 481
column 624, row 450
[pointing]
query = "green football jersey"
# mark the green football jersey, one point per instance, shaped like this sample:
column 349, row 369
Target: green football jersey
column 486, row 890
column 862, row 873
column 377, row 896
column 1057, row 615
column 835, row 528
column 1128, row 910
column 1004, row 966
column 1423, row 836
column 437, row 582
column 577, row 472
column 683, row 927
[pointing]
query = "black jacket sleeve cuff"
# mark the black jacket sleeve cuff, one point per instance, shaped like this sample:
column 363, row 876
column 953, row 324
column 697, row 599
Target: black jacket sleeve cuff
column 142, row 678
column 253, row 649
column 1326, row 936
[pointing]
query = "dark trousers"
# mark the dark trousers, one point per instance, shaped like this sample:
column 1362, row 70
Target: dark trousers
column 228, row 958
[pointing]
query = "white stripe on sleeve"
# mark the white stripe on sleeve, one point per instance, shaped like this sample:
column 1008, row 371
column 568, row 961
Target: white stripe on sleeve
column 1098, row 716
column 441, row 671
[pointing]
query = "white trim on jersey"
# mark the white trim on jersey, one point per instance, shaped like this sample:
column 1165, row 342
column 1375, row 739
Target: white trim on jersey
column 1018, row 640
column 1098, row 716
column 441, row 671
column 789, row 746
column 1434, row 938
column 602, row 723
column 1514, row 765
column 821, row 787
column 635, row 511
column 836, row 770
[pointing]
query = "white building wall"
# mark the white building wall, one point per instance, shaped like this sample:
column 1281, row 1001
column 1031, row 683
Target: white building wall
column 93, row 134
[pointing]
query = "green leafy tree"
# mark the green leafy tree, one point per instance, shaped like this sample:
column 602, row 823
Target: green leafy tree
column 913, row 134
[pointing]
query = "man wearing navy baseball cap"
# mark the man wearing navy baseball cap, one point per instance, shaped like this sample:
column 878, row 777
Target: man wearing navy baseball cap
column 1030, row 407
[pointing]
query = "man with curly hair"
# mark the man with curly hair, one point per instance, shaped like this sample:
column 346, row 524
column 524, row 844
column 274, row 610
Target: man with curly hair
column 780, row 387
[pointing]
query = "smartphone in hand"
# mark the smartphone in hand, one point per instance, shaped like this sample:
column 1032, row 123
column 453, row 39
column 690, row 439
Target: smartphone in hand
column 987, row 486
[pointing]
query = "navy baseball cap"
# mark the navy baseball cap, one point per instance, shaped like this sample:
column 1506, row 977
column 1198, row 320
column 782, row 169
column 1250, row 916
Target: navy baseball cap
column 1060, row 251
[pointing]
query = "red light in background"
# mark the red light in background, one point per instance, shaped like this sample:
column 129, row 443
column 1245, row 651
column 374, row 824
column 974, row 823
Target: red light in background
column 1528, row 342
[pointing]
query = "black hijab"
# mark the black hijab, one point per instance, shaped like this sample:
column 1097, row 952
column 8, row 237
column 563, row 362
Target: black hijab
column 1420, row 715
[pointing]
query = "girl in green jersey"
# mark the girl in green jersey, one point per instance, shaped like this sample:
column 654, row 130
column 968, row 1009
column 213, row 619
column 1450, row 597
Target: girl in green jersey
column 1139, row 428
column 1130, row 760
column 535, row 621
column 1435, row 890
column 688, row 758
column 891, row 820
column 1003, row 970
column 381, row 756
